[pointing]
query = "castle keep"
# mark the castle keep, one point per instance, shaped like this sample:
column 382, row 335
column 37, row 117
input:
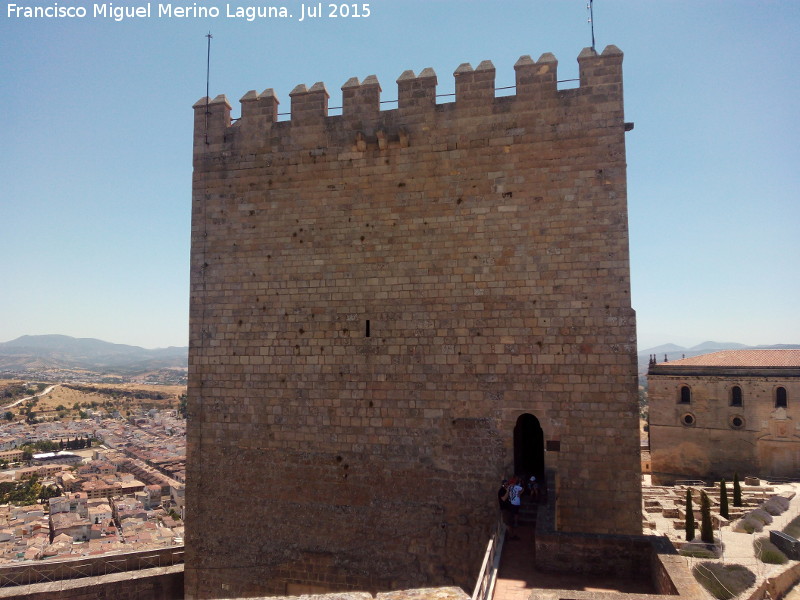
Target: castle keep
column 393, row 309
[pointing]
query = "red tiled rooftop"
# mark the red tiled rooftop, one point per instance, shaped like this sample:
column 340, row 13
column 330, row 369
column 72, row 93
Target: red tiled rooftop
column 741, row 358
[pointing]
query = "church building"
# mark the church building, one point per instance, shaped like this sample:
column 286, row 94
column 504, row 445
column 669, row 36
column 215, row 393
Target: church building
column 734, row 411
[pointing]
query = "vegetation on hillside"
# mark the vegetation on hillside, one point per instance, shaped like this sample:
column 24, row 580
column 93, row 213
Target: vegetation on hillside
column 15, row 390
column 80, row 401
column 79, row 443
column 644, row 408
column 23, row 493
column 183, row 405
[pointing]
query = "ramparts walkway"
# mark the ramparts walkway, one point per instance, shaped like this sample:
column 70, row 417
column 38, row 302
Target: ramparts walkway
column 518, row 575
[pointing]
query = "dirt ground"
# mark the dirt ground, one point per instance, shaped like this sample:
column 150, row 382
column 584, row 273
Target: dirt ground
column 117, row 396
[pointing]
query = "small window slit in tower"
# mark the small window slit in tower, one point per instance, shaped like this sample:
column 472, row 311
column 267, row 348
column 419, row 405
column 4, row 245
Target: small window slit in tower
column 367, row 331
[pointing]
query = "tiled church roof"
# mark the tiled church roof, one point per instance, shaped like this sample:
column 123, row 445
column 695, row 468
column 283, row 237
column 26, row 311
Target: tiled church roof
column 741, row 358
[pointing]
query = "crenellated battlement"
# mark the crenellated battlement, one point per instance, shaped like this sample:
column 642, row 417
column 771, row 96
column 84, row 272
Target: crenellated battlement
column 416, row 91
column 536, row 84
column 361, row 99
column 475, row 85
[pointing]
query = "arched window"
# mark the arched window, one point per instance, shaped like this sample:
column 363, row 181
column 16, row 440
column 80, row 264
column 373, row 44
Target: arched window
column 686, row 395
column 736, row 396
column 780, row 397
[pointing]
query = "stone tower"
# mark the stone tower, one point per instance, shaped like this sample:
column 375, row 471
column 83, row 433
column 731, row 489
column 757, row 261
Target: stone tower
column 392, row 309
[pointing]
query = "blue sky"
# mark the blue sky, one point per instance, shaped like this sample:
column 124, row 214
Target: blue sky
column 95, row 175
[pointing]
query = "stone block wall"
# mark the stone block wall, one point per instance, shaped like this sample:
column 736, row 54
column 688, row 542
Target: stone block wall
column 708, row 438
column 377, row 297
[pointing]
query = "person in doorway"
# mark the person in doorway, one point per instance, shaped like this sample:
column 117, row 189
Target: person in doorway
column 515, row 499
column 533, row 488
column 505, row 509
column 502, row 495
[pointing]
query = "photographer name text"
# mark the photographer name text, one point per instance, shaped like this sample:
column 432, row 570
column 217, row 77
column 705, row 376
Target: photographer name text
column 151, row 10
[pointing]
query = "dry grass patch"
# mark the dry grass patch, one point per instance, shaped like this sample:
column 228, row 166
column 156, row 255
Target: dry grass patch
column 748, row 524
column 723, row 581
column 776, row 505
column 793, row 528
column 767, row 552
column 69, row 400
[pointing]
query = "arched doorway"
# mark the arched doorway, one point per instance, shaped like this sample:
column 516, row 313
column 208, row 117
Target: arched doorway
column 528, row 447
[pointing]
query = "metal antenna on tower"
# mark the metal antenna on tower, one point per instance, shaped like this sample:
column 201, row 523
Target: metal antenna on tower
column 591, row 20
column 208, row 71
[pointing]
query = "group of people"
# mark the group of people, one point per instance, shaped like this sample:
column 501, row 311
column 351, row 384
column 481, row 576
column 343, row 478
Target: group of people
column 510, row 498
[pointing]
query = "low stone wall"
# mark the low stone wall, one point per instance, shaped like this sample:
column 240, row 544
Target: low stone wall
column 160, row 583
column 654, row 557
column 593, row 554
column 28, row 573
column 442, row 593
column 777, row 586
column 671, row 576
column 166, row 583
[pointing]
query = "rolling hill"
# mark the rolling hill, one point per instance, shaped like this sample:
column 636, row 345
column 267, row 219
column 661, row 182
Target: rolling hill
column 64, row 352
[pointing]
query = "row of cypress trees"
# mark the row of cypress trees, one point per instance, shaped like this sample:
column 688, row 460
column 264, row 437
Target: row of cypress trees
column 706, row 530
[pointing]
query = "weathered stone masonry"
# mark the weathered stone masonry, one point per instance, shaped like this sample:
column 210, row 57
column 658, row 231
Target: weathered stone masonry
column 377, row 297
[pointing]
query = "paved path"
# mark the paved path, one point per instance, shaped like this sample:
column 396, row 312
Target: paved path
column 44, row 392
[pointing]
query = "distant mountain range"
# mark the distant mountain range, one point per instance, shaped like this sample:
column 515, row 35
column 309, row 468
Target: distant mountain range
column 47, row 352
column 675, row 352
column 31, row 352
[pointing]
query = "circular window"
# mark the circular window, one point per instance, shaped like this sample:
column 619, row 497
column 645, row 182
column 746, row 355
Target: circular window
column 688, row 420
column 736, row 422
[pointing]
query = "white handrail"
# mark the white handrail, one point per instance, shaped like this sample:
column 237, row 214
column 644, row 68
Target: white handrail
column 484, row 587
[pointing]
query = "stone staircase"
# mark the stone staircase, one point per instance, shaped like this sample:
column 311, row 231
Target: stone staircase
column 527, row 513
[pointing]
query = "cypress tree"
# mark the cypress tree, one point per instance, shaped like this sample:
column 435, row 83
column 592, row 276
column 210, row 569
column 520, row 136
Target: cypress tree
column 737, row 490
column 706, row 529
column 689, row 516
column 723, row 499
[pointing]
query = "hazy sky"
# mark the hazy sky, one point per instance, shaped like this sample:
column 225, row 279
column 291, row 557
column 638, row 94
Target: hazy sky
column 95, row 171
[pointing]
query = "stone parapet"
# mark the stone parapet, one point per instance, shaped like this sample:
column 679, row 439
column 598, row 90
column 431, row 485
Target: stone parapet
column 153, row 583
column 216, row 131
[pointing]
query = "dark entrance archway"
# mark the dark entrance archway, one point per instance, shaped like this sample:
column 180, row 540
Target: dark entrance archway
column 528, row 447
